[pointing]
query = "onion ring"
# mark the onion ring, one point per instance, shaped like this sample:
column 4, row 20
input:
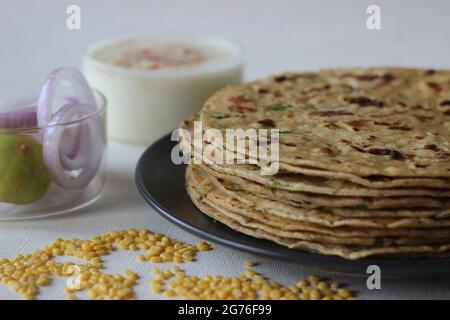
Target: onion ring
column 90, row 150
column 22, row 118
column 76, row 80
column 74, row 135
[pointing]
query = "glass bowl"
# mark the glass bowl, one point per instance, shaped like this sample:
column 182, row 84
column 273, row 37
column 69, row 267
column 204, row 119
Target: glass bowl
column 29, row 188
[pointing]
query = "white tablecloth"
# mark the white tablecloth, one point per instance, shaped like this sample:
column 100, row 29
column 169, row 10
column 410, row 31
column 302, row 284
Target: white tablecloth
column 122, row 207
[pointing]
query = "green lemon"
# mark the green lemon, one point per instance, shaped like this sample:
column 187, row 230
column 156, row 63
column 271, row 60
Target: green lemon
column 23, row 175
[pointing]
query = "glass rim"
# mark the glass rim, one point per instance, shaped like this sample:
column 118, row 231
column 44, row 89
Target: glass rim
column 101, row 108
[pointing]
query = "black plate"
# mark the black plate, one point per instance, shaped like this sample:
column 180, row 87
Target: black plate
column 161, row 183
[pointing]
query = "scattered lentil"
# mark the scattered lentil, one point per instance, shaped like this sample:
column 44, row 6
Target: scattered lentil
column 250, row 285
column 249, row 264
column 25, row 274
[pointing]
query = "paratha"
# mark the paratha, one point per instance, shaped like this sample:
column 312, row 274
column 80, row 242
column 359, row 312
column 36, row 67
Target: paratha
column 377, row 121
column 348, row 252
column 364, row 159
column 372, row 181
column 419, row 207
column 332, row 217
column 216, row 197
column 317, row 185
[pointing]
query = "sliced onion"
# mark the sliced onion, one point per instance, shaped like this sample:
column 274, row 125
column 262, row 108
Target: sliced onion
column 73, row 137
column 74, row 78
column 74, row 140
column 89, row 153
column 72, row 152
column 22, row 118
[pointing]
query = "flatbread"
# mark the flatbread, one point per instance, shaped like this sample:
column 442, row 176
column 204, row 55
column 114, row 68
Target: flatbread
column 318, row 185
column 359, row 210
column 364, row 161
column 214, row 197
column 336, row 217
column 379, row 121
column 373, row 181
column 348, row 252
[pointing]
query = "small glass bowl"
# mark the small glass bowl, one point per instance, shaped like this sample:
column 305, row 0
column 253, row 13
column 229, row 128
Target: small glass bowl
column 55, row 199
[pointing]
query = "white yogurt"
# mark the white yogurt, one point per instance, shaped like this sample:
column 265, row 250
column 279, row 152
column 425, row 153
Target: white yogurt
column 152, row 84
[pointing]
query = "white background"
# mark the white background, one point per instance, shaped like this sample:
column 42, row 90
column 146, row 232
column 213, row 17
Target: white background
column 277, row 35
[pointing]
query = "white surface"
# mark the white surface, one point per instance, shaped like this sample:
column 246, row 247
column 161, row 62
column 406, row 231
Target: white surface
column 278, row 35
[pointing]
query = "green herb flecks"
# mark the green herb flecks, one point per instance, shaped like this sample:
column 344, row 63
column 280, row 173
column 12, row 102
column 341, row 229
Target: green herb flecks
column 360, row 206
column 275, row 184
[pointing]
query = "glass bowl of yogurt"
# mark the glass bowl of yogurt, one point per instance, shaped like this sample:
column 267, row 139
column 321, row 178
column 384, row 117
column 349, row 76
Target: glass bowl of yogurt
column 153, row 83
column 52, row 148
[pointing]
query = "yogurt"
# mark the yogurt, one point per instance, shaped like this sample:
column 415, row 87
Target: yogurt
column 152, row 84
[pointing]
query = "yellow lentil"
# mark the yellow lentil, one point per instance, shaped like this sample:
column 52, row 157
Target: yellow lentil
column 203, row 246
column 344, row 293
column 316, row 294
column 170, row 293
column 323, row 285
column 315, row 280
column 334, row 285
column 26, row 274
column 303, row 283
column 249, row 264
column 243, row 286
column 250, row 273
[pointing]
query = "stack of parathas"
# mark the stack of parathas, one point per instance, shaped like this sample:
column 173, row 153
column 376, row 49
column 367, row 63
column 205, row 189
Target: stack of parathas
column 364, row 162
